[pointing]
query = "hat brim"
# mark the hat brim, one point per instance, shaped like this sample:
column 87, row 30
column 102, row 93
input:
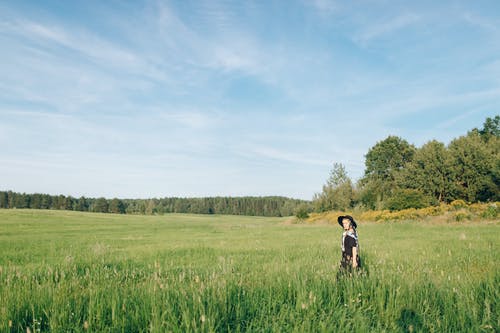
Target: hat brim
column 350, row 218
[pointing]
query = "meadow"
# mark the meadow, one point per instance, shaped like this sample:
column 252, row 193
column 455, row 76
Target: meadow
column 63, row 271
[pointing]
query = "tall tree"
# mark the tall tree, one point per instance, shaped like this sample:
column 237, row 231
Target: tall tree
column 491, row 128
column 100, row 205
column 473, row 165
column 150, row 207
column 4, row 200
column 116, row 206
column 428, row 172
column 337, row 193
column 46, row 201
column 383, row 162
column 81, row 204
column 21, row 200
column 36, row 201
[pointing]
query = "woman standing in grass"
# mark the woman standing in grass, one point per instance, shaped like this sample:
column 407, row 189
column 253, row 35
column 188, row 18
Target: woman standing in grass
column 350, row 246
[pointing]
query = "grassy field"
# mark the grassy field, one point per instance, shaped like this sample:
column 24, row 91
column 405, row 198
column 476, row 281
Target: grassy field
column 80, row 272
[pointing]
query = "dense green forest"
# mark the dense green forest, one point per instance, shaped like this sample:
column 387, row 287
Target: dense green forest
column 258, row 206
column 397, row 176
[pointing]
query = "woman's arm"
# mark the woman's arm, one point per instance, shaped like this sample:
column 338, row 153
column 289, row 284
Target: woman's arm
column 354, row 257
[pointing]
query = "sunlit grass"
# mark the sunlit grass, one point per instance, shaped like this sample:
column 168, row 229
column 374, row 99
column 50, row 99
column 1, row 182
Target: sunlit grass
column 69, row 271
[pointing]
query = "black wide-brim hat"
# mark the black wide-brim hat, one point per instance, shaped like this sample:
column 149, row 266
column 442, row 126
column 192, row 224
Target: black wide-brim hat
column 349, row 217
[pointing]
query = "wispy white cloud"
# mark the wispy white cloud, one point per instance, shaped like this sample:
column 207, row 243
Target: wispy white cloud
column 373, row 31
column 192, row 119
column 43, row 74
column 324, row 7
column 482, row 22
column 88, row 44
column 425, row 99
column 168, row 87
column 454, row 120
column 281, row 155
column 235, row 59
column 196, row 47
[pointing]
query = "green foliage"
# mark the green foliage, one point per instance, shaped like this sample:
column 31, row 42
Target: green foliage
column 302, row 211
column 388, row 157
column 338, row 176
column 462, row 216
column 4, row 200
column 81, row 205
column 254, row 206
column 407, row 198
column 428, row 172
column 369, row 194
column 383, row 163
column 492, row 212
column 76, row 272
column 338, row 192
column 100, row 206
column 116, row 206
column 467, row 169
column 458, row 204
column 491, row 128
column 472, row 162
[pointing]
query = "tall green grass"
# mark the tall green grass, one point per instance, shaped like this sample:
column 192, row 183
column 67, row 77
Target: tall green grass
column 82, row 272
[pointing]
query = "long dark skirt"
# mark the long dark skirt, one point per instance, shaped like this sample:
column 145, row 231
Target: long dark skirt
column 346, row 268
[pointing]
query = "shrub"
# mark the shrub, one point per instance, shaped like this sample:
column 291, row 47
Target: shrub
column 461, row 216
column 302, row 212
column 491, row 212
column 474, row 211
column 407, row 214
column 371, row 215
column 432, row 211
column 457, row 204
column 404, row 199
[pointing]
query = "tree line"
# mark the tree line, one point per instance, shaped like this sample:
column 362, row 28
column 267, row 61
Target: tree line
column 254, row 206
column 399, row 175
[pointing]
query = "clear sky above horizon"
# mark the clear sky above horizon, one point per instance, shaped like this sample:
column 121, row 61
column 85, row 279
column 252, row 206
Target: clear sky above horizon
column 139, row 99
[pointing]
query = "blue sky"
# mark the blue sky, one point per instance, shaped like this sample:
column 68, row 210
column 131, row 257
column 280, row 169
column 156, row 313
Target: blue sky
column 144, row 99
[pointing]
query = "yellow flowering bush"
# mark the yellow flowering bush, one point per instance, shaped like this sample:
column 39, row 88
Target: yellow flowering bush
column 458, row 211
column 457, row 204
